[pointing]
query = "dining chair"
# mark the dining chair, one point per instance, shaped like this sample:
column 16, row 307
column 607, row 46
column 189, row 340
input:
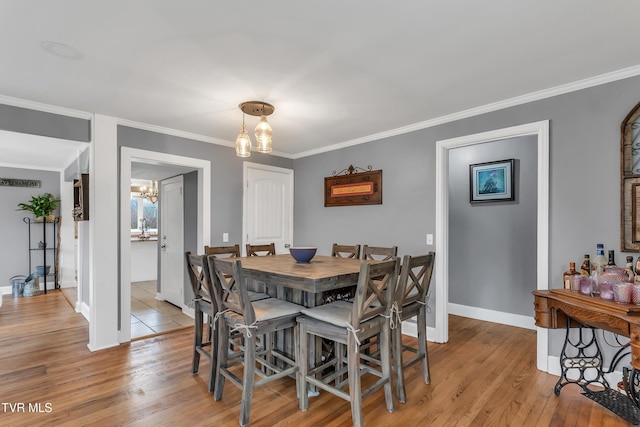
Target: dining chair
column 203, row 302
column 349, row 324
column 233, row 251
column 261, row 250
column 379, row 253
column 222, row 251
column 345, row 251
column 250, row 319
column 411, row 296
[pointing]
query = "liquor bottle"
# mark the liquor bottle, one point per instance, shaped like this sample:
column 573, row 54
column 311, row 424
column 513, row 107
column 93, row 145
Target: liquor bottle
column 629, row 269
column 567, row 276
column 585, row 268
column 599, row 261
column 612, row 259
column 629, row 263
column 637, row 269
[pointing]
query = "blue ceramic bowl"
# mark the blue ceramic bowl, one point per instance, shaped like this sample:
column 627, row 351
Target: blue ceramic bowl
column 303, row 254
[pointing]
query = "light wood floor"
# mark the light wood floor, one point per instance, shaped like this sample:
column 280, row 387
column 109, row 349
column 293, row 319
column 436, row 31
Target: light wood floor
column 485, row 376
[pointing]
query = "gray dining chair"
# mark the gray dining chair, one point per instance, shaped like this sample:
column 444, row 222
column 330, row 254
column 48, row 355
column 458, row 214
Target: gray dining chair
column 250, row 319
column 345, row 251
column 411, row 296
column 379, row 253
column 349, row 324
column 205, row 342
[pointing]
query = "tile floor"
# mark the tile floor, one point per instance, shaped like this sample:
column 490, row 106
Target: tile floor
column 148, row 315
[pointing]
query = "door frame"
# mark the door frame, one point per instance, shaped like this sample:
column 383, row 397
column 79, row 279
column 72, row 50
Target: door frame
column 541, row 130
column 127, row 156
column 245, row 195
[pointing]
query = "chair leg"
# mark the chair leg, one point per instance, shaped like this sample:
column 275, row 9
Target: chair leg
column 223, row 355
column 355, row 387
column 213, row 366
column 396, row 343
column 386, row 366
column 422, row 344
column 248, row 379
column 303, row 363
column 197, row 341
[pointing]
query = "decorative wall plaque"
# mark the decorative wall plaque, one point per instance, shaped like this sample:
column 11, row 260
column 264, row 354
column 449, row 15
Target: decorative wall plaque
column 350, row 187
column 10, row 182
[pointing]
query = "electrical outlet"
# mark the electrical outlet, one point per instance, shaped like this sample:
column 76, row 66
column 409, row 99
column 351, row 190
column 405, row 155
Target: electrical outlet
column 225, row 237
column 429, row 239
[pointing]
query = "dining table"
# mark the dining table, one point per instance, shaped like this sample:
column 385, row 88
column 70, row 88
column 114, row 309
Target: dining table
column 320, row 281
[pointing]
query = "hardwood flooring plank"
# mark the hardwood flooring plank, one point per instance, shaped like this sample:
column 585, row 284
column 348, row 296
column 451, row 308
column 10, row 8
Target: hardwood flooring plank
column 485, row 376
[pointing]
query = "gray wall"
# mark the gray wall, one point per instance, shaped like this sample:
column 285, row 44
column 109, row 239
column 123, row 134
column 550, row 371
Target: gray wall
column 492, row 245
column 23, row 120
column 14, row 252
column 584, row 179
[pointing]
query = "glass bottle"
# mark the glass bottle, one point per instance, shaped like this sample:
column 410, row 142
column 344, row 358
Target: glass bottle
column 585, row 268
column 568, row 275
column 612, row 259
column 637, row 269
column 599, row 261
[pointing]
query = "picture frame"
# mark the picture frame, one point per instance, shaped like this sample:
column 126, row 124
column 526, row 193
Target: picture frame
column 353, row 188
column 492, row 181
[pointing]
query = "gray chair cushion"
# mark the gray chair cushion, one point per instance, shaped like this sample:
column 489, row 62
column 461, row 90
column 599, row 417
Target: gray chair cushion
column 273, row 308
column 337, row 313
column 257, row 296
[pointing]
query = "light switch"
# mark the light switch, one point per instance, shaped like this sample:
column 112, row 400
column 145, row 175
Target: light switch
column 429, row 239
column 225, row 237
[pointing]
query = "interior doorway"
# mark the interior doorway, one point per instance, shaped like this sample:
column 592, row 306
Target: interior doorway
column 151, row 160
column 541, row 130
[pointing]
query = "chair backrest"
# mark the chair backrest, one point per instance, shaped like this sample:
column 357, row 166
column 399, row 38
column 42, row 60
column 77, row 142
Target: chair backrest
column 377, row 284
column 198, row 270
column 221, row 251
column 378, row 253
column 345, row 251
column 230, row 288
column 260, row 250
column 415, row 278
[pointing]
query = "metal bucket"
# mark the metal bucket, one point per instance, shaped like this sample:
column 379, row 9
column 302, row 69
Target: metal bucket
column 17, row 286
column 31, row 288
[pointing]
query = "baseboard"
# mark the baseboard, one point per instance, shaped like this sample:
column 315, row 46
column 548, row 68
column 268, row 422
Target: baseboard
column 510, row 319
column 83, row 308
column 410, row 328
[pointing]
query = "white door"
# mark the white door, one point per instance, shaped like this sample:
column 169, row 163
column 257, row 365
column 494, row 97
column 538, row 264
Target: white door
column 172, row 240
column 268, row 206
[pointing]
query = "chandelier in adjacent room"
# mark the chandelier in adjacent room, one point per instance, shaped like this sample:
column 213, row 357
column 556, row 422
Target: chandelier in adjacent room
column 150, row 194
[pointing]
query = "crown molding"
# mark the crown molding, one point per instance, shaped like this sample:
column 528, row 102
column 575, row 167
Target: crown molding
column 476, row 111
column 38, row 106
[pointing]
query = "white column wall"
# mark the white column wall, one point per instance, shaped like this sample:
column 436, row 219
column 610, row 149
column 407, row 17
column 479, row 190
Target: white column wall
column 103, row 243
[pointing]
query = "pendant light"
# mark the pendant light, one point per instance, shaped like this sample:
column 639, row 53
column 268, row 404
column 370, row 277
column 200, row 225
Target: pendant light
column 263, row 131
column 243, row 142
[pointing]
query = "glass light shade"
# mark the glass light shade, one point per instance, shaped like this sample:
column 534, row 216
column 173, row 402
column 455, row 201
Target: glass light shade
column 243, row 143
column 263, row 135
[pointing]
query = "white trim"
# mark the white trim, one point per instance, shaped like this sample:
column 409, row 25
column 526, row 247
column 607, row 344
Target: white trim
column 83, row 309
column 541, row 130
column 47, row 108
column 509, row 319
column 127, row 155
column 245, row 202
column 487, row 108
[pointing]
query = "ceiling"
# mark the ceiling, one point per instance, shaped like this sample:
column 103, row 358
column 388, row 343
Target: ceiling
column 338, row 73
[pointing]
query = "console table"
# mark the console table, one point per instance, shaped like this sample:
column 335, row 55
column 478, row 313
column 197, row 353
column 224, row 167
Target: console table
column 563, row 308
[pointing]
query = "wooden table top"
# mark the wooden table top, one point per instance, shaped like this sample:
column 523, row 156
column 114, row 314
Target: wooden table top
column 323, row 273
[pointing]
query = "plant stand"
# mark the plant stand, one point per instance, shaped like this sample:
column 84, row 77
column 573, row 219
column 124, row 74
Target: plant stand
column 44, row 250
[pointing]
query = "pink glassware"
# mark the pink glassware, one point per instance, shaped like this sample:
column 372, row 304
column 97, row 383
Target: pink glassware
column 623, row 293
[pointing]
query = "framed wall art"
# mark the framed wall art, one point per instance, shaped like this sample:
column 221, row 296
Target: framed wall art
column 350, row 187
column 491, row 181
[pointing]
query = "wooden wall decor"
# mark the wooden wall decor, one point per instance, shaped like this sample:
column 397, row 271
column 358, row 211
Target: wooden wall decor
column 350, row 187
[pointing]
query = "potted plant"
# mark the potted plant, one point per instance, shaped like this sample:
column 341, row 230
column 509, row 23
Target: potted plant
column 42, row 206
